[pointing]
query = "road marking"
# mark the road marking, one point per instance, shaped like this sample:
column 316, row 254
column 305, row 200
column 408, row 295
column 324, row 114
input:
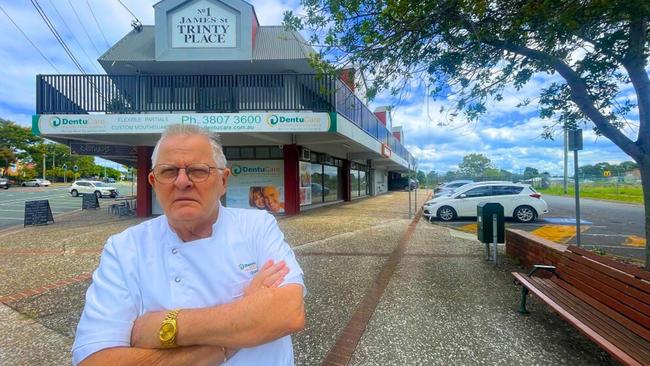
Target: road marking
column 565, row 221
column 635, row 241
column 469, row 228
column 558, row 233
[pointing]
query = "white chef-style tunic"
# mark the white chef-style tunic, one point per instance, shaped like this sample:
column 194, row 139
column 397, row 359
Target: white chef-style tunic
column 149, row 268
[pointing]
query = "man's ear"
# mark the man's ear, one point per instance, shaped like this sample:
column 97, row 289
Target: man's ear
column 225, row 174
column 151, row 179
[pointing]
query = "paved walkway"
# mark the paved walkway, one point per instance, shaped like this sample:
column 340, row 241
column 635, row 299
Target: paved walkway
column 383, row 290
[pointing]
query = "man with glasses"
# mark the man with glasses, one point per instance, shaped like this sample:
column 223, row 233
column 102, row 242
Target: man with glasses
column 201, row 285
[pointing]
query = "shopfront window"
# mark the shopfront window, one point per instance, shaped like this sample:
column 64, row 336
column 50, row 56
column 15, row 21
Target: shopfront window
column 330, row 183
column 316, row 183
column 363, row 183
column 354, row 182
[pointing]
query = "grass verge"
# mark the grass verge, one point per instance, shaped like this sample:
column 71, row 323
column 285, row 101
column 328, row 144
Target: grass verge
column 622, row 193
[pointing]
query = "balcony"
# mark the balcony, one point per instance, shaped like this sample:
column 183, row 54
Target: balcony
column 124, row 94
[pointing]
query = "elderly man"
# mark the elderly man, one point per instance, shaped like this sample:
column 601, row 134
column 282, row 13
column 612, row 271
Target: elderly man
column 202, row 284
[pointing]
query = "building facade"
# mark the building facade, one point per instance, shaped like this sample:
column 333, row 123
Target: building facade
column 290, row 134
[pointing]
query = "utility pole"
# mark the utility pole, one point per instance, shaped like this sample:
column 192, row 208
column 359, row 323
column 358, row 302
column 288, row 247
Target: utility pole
column 44, row 156
column 566, row 160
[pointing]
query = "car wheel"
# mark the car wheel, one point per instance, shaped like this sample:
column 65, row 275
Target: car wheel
column 98, row 194
column 525, row 214
column 24, row 185
column 6, row 187
column 446, row 213
column 74, row 193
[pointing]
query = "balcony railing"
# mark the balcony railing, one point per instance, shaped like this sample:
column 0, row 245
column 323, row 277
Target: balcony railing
column 76, row 94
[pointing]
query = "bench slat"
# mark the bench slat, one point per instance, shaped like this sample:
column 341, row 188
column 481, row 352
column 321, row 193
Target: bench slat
column 627, row 278
column 592, row 288
column 624, row 267
column 614, row 350
column 597, row 320
column 613, row 291
column 626, row 322
column 619, row 286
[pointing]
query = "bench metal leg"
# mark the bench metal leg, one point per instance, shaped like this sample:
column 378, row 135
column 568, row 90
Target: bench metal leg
column 522, row 305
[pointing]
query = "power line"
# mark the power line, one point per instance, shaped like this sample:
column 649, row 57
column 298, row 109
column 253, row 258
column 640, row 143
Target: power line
column 136, row 24
column 65, row 24
column 57, row 35
column 108, row 45
column 30, row 41
column 84, row 28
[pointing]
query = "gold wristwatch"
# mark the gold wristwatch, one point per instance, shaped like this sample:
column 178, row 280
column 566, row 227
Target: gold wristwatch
column 169, row 330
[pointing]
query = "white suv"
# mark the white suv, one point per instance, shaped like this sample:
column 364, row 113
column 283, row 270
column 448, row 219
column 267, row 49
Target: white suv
column 92, row 187
column 520, row 201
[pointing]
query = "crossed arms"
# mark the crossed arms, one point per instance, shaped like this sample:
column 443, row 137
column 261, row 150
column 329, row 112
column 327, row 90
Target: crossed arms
column 207, row 336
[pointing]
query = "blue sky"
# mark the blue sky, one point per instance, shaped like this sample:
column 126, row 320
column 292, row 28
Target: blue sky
column 509, row 136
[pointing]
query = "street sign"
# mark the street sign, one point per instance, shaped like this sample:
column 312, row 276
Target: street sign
column 75, row 168
column 65, row 166
column 607, row 173
column 575, row 139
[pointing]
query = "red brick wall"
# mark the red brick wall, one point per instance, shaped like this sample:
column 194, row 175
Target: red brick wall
column 530, row 249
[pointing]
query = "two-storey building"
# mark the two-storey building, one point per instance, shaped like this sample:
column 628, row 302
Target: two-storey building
column 306, row 138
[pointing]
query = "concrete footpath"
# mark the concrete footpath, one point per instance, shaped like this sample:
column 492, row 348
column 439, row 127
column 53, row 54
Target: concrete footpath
column 383, row 290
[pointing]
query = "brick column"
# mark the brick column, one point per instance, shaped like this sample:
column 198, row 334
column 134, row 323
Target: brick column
column 143, row 201
column 347, row 182
column 291, row 179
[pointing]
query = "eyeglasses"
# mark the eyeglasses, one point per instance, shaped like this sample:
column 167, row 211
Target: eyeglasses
column 167, row 173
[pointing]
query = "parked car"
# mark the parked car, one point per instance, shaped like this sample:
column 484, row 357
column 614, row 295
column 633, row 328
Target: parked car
column 317, row 189
column 520, row 201
column 108, row 180
column 450, row 186
column 92, row 187
column 36, row 183
column 4, row 183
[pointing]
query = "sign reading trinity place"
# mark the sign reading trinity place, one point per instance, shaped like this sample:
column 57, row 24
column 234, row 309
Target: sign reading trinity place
column 203, row 24
column 77, row 124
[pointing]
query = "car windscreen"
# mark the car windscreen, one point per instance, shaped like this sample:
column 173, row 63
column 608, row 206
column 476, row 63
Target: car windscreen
column 98, row 184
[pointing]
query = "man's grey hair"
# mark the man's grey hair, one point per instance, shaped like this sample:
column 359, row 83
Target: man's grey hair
column 179, row 129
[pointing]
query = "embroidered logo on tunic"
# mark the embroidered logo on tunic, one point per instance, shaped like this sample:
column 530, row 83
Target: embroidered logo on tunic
column 249, row 267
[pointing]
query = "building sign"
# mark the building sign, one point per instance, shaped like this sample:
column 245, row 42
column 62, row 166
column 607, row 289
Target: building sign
column 305, row 183
column 203, row 24
column 79, row 124
column 386, row 151
column 257, row 184
column 102, row 150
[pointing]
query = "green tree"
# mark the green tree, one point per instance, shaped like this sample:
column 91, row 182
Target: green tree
column 14, row 141
column 422, row 178
column 530, row 173
column 475, row 165
column 598, row 51
column 432, row 178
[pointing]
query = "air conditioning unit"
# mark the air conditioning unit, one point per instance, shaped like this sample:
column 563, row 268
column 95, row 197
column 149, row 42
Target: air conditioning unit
column 305, row 154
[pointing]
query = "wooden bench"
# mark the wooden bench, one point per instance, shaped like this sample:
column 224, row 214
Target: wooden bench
column 607, row 301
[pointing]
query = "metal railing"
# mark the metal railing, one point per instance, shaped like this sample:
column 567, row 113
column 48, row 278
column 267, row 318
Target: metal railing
column 77, row 94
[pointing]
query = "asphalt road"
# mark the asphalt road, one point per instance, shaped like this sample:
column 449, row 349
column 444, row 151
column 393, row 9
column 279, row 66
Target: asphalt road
column 617, row 228
column 12, row 201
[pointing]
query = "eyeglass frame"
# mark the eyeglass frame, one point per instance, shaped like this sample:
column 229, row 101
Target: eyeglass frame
column 185, row 169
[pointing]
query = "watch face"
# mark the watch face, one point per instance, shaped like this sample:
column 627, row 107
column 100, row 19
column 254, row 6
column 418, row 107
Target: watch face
column 167, row 331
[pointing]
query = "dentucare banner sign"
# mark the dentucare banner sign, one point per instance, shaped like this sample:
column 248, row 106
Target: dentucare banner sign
column 79, row 124
column 257, row 184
